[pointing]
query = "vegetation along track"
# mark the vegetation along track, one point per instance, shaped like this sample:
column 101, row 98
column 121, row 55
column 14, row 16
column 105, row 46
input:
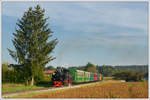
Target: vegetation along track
column 111, row 89
column 5, row 95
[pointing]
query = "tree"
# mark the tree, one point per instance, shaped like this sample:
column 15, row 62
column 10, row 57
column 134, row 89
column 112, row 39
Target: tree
column 32, row 44
column 128, row 75
column 107, row 70
column 91, row 68
column 5, row 70
column 50, row 68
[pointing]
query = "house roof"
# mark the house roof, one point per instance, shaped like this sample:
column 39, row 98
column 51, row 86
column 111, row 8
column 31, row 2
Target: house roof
column 49, row 71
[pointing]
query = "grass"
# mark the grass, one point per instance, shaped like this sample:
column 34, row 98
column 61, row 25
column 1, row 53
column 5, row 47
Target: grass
column 107, row 78
column 11, row 87
column 97, row 90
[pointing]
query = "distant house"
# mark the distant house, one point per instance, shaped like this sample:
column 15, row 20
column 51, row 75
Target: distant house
column 49, row 71
column 48, row 74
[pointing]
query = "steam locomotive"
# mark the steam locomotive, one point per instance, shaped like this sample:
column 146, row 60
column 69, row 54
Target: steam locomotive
column 64, row 77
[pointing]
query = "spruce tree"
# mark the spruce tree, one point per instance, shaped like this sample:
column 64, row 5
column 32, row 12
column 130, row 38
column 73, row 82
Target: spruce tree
column 32, row 44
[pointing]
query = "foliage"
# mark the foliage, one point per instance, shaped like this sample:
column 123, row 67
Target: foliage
column 133, row 67
column 91, row 68
column 32, row 44
column 50, row 68
column 4, row 71
column 129, row 75
column 88, row 67
column 106, row 70
column 13, row 74
column 109, row 71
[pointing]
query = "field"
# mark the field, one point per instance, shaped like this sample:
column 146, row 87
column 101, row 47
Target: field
column 107, row 78
column 11, row 87
column 109, row 89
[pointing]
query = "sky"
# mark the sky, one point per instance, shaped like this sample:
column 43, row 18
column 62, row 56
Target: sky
column 103, row 33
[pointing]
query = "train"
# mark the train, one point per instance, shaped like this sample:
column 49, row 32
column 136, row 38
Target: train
column 65, row 77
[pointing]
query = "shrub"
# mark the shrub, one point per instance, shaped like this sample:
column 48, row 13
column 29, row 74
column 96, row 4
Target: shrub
column 129, row 75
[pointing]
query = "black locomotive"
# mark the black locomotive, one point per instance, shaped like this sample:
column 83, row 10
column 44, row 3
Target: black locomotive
column 61, row 77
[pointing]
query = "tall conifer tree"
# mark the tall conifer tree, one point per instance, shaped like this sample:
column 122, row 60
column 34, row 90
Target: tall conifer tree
column 32, row 44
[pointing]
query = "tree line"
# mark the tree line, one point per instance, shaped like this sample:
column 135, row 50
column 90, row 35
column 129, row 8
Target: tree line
column 17, row 74
column 127, row 73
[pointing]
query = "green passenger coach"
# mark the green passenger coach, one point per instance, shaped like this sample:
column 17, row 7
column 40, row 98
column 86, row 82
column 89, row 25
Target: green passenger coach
column 83, row 76
column 78, row 75
column 91, row 76
column 87, row 76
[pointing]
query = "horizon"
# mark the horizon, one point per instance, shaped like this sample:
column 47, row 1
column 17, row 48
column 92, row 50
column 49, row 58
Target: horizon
column 103, row 33
column 92, row 63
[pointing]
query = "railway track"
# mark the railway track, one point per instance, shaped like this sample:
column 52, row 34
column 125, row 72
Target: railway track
column 6, row 95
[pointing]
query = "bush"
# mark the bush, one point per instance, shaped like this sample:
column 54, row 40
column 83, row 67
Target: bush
column 129, row 75
column 12, row 74
column 17, row 74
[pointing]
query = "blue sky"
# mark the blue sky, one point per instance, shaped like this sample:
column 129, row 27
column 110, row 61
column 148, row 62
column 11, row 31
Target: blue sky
column 110, row 33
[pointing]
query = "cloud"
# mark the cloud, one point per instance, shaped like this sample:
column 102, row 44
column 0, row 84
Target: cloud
column 68, row 14
column 115, row 27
